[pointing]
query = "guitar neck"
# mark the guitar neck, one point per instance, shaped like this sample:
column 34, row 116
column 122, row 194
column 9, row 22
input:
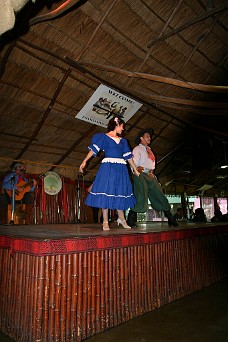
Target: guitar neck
column 30, row 183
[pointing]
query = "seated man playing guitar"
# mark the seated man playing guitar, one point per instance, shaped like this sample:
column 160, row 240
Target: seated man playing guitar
column 24, row 190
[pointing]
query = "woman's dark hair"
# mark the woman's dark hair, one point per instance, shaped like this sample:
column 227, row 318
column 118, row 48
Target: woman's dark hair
column 115, row 121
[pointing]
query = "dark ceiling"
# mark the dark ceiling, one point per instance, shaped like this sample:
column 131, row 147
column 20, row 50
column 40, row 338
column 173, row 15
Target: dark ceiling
column 171, row 56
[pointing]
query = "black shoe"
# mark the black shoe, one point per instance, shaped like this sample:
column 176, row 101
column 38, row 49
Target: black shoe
column 171, row 221
column 132, row 218
column 132, row 224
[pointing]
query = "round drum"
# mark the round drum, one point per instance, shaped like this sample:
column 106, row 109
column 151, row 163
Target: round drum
column 52, row 183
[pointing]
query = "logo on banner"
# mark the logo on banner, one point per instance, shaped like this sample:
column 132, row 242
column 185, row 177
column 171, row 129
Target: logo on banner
column 106, row 103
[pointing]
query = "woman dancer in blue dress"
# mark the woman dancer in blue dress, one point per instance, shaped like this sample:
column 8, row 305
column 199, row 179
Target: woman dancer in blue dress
column 112, row 188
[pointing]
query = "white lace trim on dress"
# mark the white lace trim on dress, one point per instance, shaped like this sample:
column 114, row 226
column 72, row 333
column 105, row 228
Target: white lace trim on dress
column 126, row 154
column 96, row 147
column 114, row 160
column 108, row 195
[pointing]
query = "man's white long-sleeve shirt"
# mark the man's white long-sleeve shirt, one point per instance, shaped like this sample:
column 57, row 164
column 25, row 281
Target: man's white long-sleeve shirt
column 141, row 158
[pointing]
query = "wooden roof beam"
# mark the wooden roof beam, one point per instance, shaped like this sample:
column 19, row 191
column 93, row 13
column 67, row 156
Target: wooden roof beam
column 48, row 110
column 71, row 149
column 160, row 79
column 55, row 13
column 188, row 24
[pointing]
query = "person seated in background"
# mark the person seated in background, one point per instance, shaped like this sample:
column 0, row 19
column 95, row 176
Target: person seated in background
column 199, row 216
column 217, row 216
column 179, row 216
column 224, row 218
column 24, row 190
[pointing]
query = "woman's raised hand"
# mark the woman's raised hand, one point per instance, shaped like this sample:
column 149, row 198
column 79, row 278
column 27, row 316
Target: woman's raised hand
column 82, row 166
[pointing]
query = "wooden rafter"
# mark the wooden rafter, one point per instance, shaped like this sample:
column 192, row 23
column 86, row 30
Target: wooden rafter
column 48, row 110
column 71, row 149
column 5, row 58
column 190, row 23
column 160, row 79
column 148, row 53
column 190, row 56
column 113, row 3
column 202, row 104
column 207, row 112
column 55, row 13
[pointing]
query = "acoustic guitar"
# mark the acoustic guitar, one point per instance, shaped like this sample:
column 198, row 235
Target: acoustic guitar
column 25, row 186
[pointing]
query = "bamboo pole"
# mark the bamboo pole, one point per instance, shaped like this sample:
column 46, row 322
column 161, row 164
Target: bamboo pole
column 63, row 296
column 15, row 295
column 157, row 78
column 169, row 261
column 126, row 284
column 144, row 292
column 89, row 295
column 148, row 282
column 164, row 285
column 30, row 297
column 5, row 276
column 51, row 332
column 133, row 284
column 154, row 276
column 111, row 288
column 98, row 292
column 93, row 294
column 35, row 298
column 69, row 273
column 136, row 281
column 117, row 276
column 114, row 261
column 21, row 295
column 102, row 291
column 11, row 276
column 74, row 298
column 144, row 271
column 25, row 301
column 39, row 306
column 46, row 291
column 84, row 297
column 107, row 291
column 79, row 297
column 140, row 280
column 122, row 285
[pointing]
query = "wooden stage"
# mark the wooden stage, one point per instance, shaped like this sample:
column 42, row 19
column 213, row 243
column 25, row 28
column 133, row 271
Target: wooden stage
column 67, row 282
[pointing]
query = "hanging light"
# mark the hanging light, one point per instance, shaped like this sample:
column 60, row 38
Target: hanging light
column 225, row 165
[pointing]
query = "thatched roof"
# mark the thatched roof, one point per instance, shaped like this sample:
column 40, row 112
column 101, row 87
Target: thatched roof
column 171, row 56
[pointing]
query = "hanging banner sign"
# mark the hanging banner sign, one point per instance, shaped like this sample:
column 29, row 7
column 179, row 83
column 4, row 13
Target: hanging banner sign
column 52, row 183
column 106, row 103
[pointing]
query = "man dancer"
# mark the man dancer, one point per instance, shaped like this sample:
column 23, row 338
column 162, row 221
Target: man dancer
column 147, row 186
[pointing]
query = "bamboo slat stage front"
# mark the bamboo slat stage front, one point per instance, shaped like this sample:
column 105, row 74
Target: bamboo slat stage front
column 71, row 296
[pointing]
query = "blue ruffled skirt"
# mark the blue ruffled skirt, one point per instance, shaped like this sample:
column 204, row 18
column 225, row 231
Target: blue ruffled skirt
column 112, row 188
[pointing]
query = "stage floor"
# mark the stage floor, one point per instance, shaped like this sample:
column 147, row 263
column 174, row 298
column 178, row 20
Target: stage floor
column 70, row 231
